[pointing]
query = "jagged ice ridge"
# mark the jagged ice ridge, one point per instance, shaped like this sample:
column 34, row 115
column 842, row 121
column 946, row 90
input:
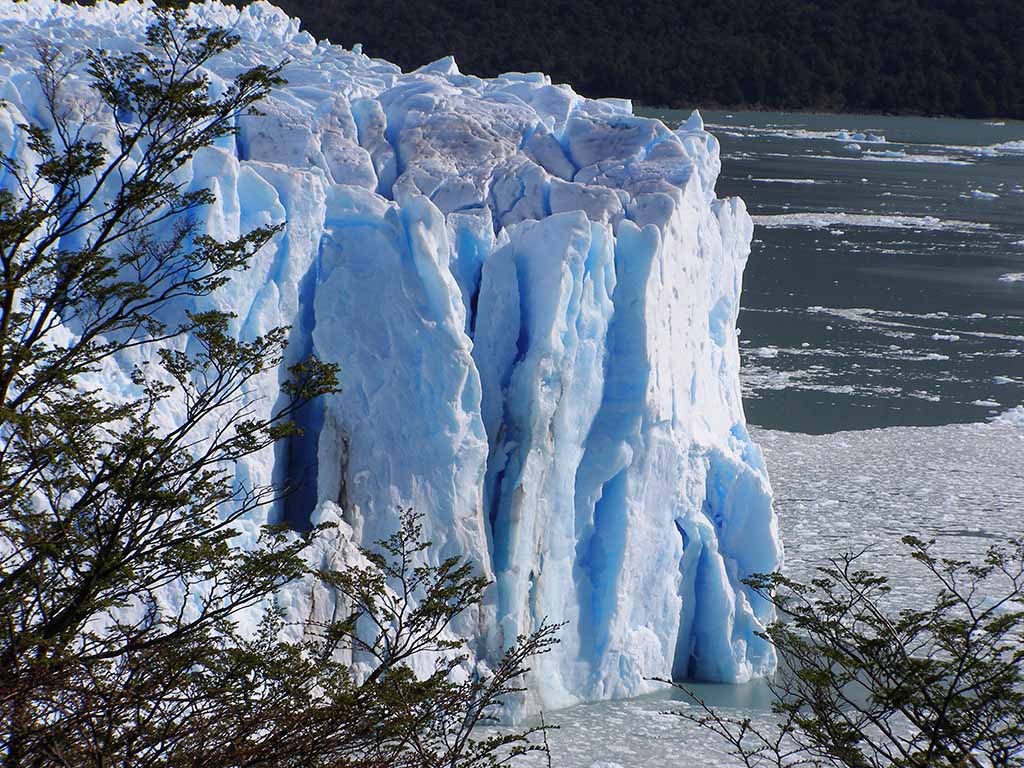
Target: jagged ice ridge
column 532, row 297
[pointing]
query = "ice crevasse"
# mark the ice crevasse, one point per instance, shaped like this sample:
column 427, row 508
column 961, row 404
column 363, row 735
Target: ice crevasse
column 532, row 297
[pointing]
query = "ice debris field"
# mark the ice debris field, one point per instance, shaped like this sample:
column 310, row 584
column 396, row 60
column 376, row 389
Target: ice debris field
column 532, row 299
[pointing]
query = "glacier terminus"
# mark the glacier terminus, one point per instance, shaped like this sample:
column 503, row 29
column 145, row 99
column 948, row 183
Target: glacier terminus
column 532, row 298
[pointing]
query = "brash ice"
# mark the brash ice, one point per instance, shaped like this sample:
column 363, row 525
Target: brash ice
column 532, row 297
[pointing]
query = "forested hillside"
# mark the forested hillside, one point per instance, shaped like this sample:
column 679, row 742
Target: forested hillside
column 962, row 57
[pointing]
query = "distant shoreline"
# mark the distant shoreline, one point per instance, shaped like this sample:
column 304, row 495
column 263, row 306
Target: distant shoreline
column 930, row 58
column 829, row 112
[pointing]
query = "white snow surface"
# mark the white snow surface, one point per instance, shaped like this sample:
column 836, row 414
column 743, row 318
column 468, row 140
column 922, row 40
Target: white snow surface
column 532, row 297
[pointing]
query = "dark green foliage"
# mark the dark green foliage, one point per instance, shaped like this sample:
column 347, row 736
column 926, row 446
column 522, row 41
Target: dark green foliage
column 922, row 56
column 121, row 575
column 863, row 685
column 407, row 609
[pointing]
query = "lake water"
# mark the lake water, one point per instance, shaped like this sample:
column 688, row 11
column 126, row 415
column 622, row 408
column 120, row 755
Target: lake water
column 882, row 335
column 886, row 281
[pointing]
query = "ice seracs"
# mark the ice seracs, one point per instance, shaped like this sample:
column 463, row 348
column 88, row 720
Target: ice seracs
column 532, row 297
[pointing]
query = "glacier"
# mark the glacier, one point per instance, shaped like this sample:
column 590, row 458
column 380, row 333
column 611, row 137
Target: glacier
column 532, row 297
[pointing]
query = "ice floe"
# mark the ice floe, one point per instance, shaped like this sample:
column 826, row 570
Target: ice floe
column 812, row 220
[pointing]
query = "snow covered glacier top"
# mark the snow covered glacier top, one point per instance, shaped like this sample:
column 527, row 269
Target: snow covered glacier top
column 532, row 297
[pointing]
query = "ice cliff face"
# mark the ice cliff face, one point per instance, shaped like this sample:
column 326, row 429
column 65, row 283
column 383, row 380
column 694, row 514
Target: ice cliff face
column 532, row 297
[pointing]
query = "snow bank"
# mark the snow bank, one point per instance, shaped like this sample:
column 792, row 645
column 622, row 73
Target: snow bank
column 532, row 297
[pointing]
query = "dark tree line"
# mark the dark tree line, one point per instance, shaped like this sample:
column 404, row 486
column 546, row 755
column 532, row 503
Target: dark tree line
column 920, row 56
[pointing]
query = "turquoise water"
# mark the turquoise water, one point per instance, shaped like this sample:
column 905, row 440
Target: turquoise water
column 886, row 281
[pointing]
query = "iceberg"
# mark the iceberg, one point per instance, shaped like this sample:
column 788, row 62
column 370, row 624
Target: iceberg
column 532, row 297
column 979, row 194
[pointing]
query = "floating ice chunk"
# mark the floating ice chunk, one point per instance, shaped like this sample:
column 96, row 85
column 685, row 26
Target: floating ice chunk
column 814, row 220
column 945, row 337
column 982, row 195
column 1012, row 277
column 1009, row 147
column 1013, row 417
column 788, row 181
column 895, row 157
column 858, row 136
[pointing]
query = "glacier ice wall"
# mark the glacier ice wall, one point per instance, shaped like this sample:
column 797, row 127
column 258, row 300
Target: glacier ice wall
column 532, row 297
